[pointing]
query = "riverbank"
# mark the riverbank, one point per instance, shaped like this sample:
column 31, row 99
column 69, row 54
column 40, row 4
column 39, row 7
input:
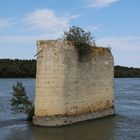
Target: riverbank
column 16, row 68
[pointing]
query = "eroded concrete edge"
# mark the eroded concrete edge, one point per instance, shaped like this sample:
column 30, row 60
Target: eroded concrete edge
column 65, row 120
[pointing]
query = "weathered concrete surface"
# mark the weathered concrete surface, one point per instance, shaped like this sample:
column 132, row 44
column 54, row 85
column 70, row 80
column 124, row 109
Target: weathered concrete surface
column 67, row 87
column 65, row 120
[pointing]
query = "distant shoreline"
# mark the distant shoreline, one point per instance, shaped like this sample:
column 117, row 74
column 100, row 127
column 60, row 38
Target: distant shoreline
column 17, row 68
column 35, row 78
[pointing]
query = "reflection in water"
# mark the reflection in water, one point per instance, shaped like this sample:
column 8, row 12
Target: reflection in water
column 109, row 128
column 89, row 130
column 101, row 129
column 124, row 126
column 19, row 132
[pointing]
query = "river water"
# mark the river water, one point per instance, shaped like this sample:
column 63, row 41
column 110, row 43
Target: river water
column 125, row 125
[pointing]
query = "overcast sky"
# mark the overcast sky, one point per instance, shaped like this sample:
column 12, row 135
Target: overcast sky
column 114, row 23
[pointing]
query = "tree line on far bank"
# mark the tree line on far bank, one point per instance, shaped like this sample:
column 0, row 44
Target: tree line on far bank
column 16, row 68
column 122, row 72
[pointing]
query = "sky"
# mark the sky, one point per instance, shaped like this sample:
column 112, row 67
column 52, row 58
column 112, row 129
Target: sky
column 113, row 23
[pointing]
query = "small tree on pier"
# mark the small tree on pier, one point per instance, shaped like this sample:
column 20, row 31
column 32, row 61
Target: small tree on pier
column 20, row 102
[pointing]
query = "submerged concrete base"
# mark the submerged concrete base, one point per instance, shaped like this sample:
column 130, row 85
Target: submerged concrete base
column 65, row 120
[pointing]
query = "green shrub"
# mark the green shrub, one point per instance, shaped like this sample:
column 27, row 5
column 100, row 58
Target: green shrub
column 20, row 102
column 82, row 40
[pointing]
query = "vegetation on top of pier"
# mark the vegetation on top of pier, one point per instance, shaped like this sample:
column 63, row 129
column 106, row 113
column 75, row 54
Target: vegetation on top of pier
column 82, row 40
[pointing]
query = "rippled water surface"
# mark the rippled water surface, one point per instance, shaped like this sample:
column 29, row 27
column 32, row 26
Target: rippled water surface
column 124, row 126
